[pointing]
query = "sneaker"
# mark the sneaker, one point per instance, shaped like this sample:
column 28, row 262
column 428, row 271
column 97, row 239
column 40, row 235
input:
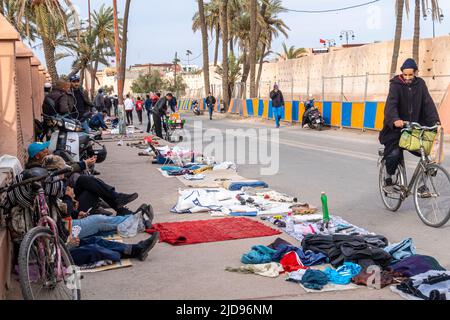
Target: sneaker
column 389, row 186
column 148, row 216
column 124, row 199
column 147, row 245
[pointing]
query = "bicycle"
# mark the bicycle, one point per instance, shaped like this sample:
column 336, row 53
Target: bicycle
column 430, row 185
column 46, row 268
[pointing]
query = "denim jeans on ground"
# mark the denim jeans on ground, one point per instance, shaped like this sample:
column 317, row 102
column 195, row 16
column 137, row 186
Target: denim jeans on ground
column 92, row 225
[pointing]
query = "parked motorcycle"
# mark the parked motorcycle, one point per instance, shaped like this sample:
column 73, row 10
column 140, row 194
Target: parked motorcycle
column 313, row 118
column 196, row 108
column 71, row 143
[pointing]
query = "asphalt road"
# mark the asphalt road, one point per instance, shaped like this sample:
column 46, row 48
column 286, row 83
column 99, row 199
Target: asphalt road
column 343, row 163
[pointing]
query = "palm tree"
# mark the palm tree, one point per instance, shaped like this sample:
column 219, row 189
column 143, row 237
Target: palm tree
column 253, row 45
column 224, row 29
column 291, row 53
column 43, row 19
column 212, row 18
column 399, row 6
column 123, row 59
column 201, row 11
column 234, row 72
column 435, row 16
column 101, row 35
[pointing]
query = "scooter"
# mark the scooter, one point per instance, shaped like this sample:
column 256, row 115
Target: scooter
column 314, row 118
column 196, row 108
column 71, row 143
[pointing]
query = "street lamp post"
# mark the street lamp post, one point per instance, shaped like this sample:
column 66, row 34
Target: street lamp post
column 440, row 16
column 347, row 34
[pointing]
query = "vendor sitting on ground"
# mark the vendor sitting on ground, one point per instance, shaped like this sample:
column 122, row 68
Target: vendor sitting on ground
column 88, row 190
column 98, row 121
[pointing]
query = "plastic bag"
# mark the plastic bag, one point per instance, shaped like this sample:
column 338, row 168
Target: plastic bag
column 132, row 226
column 411, row 140
column 437, row 150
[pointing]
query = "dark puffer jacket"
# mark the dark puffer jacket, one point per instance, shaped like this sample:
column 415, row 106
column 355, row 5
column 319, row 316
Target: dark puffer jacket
column 411, row 103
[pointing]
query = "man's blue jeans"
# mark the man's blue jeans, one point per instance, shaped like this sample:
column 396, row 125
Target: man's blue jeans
column 85, row 126
column 95, row 224
column 211, row 109
column 278, row 114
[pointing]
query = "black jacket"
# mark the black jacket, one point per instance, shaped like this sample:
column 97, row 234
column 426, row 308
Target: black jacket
column 409, row 103
column 160, row 107
column 277, row 98
column 64, row 102
column 210, row 100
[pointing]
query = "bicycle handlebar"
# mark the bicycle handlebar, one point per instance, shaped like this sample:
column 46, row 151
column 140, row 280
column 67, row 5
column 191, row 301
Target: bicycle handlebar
column 36, row 179
column 415, row 125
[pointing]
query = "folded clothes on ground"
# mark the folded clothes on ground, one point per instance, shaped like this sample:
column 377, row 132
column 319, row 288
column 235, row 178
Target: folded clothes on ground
column 258, row 255
column 401, row 250
column 343, row 274
column 238, row 185
column 414, row 265
column 314, row 279
column 308, row 258
column 271, row 270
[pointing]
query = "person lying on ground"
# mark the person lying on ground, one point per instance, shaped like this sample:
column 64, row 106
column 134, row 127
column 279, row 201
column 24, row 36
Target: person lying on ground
column 94, row 249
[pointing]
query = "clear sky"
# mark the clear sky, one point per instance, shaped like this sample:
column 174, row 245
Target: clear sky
column 158, row 28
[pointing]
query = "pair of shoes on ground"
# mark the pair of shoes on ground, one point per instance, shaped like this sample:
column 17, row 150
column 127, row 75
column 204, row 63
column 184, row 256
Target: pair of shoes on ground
column 147, row 215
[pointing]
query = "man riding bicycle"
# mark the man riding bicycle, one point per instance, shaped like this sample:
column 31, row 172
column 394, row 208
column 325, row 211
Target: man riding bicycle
column 409, row 100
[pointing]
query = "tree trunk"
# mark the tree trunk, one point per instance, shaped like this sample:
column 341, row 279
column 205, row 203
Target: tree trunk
column 253, row 46
column 123, row 59
column 2, row 11
column 49, row 53
column 201, row 11
column 416, row 39
column 93, row 76
column 82, row 76
column 216, row 50
column 261, row 61
column 398, row 36
column 224, row 28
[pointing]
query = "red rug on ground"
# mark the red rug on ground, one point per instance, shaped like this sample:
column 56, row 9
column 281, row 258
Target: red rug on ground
column 191, row 232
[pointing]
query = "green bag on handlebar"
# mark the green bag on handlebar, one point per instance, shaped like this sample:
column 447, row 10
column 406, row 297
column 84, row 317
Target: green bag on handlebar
column 410, row 140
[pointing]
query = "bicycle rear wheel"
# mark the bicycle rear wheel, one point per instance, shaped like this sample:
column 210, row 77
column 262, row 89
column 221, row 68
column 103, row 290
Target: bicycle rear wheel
column 432, row 196
column 38, row 268
column 392, row 201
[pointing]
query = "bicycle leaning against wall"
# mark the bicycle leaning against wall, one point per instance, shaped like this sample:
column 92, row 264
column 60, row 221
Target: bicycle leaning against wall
column 46, row 268
column 430, row 183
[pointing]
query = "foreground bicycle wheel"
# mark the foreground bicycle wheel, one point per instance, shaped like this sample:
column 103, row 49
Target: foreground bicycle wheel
column 38, row 268
column 392, row 201
column 432, row 196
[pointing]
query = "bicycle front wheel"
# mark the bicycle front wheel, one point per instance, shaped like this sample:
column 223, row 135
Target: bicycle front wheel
column 432, row 196
column 40, row 277
column 392, row 200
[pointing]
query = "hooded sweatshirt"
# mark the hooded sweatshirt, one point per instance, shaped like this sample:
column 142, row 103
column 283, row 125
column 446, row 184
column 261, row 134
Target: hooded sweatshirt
column 411, row 103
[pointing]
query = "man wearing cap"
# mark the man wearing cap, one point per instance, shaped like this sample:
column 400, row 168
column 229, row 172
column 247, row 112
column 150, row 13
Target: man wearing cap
column 408, row 100
column 83, row 104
